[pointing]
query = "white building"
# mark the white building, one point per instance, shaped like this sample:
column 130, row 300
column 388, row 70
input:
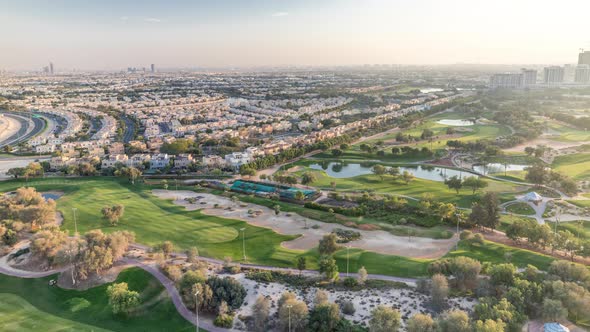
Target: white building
column 237, row 159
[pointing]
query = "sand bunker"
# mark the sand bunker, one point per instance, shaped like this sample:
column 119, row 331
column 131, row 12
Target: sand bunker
column 377, row 241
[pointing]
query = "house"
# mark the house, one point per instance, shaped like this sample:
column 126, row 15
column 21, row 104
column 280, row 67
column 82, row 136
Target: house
column 213, row 161
column 116, row 148
column 237, row 159
column 113, row 159
column 138, row 160
column 57, row 163
column 183, row 160
column 160, row 161
column 45, row 148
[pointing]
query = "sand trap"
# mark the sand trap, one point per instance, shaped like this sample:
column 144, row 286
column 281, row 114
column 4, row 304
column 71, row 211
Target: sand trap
column 407, row 301
column 377, row 241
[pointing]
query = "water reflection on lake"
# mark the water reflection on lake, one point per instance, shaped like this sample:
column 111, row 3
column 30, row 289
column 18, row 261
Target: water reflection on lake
column 348, row 170
column 498, row 168
column 457, row 123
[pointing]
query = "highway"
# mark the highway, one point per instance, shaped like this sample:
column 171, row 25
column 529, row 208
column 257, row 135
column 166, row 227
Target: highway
column 129, row 133
column 28, row 128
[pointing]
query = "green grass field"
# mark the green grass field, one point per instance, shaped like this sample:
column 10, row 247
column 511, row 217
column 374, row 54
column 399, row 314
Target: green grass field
column 33, row 305
column 520, row 208
column 578, row 228
column 415, row 188
column 155, row 220
column 576, row 166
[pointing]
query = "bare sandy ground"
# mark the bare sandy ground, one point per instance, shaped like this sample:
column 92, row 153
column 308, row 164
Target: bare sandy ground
column 8, row 127
column 293, row 224
column 547, row 141
column 407, row 301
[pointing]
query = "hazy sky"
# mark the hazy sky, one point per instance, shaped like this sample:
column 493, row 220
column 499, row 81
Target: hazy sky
column 114, row 34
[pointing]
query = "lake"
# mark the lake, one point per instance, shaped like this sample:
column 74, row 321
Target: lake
column 498, row 168
column 431, row 90
column 348, row 170
column 458, row 123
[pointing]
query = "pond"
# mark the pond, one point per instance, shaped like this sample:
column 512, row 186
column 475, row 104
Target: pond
column 498, row 168
column 51, row 195
column 348, row 170
column 457, row 123
column 431, row 90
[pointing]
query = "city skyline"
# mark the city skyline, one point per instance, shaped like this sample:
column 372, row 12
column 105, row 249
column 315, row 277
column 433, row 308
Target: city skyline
column 115, row 35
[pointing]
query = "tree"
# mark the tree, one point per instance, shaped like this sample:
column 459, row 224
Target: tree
column 297, row 311
column 379, row 170
column 421, row 323
column 328, row 244
column 362, row 276
column 328, row 267
column 277, row 209
column 47, row 243
column 113, row 213
column 308, row 178
column 384, row 319
column 260, row 313
column 192, row 255
column 536, row 174
column 299, row 195
column 553, row 310
column 165, row 247
column 486, row 212
column 407, row 177
column 336, row 152
column 121, row 299
column 454, row 183
column 324, row 317
column 439, row 291
column 301, row 264
column 466, row 271
column 321, row 297
column 454, row 321
column 475, row 183
column 489, row 325
column 502, row 274
column 393, row 171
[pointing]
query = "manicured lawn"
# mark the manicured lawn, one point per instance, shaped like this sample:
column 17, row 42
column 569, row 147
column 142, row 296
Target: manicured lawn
column 415, row 188
column 33, row 305
column 520, row 208
column 155, row 220
column 576, row 166
column 580, row 203
column 567, row 133
column 578, row 228
column 18, row 315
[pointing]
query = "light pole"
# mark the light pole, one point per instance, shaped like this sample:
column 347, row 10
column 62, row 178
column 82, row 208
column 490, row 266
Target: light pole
column 347, row 259
column 197, row 308
column 289, row 306
column 457, row 216
column 243, row 242
column 75, row 222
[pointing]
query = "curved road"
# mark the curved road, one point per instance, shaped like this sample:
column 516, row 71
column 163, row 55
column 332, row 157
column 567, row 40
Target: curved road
column 25, row 132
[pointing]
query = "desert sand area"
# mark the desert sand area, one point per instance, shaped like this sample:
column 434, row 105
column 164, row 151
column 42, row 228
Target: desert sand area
column 8, row 127
column 12, row 162
column 408, row 301
column 293, row 224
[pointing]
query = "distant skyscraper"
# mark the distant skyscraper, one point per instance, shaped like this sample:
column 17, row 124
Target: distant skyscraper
column 584, row 58
column 51, row 68
column 529, row 76
column 553, row 75
column 153, row 68
column 582, row 74
column 506, row 80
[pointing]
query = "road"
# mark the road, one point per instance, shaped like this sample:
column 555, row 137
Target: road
column 26, row 130
column 129, row 133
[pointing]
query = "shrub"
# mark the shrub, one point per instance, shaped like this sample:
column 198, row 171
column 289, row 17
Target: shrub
column 350, row 282
column 466, row 235
column 348, row 308
column 225, row 320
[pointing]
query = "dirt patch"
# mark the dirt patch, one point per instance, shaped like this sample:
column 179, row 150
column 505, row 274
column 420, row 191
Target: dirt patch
column 65, row 278
column 310, row 231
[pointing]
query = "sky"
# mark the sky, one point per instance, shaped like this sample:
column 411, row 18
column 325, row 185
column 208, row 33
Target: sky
column 116, row 34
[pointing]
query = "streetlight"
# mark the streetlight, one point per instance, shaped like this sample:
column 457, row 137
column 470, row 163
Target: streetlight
column 289, row 306
column 197, row 308
column 347, row 259
column 243, row 242
column 457, row 216
column 75, row 223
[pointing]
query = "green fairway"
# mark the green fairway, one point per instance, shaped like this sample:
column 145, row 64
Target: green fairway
column 33, row 305
column 565, row 133
column 155, row 220
column 576, row 166
column 579, row 228
column 18, row 315
column 415, row 188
